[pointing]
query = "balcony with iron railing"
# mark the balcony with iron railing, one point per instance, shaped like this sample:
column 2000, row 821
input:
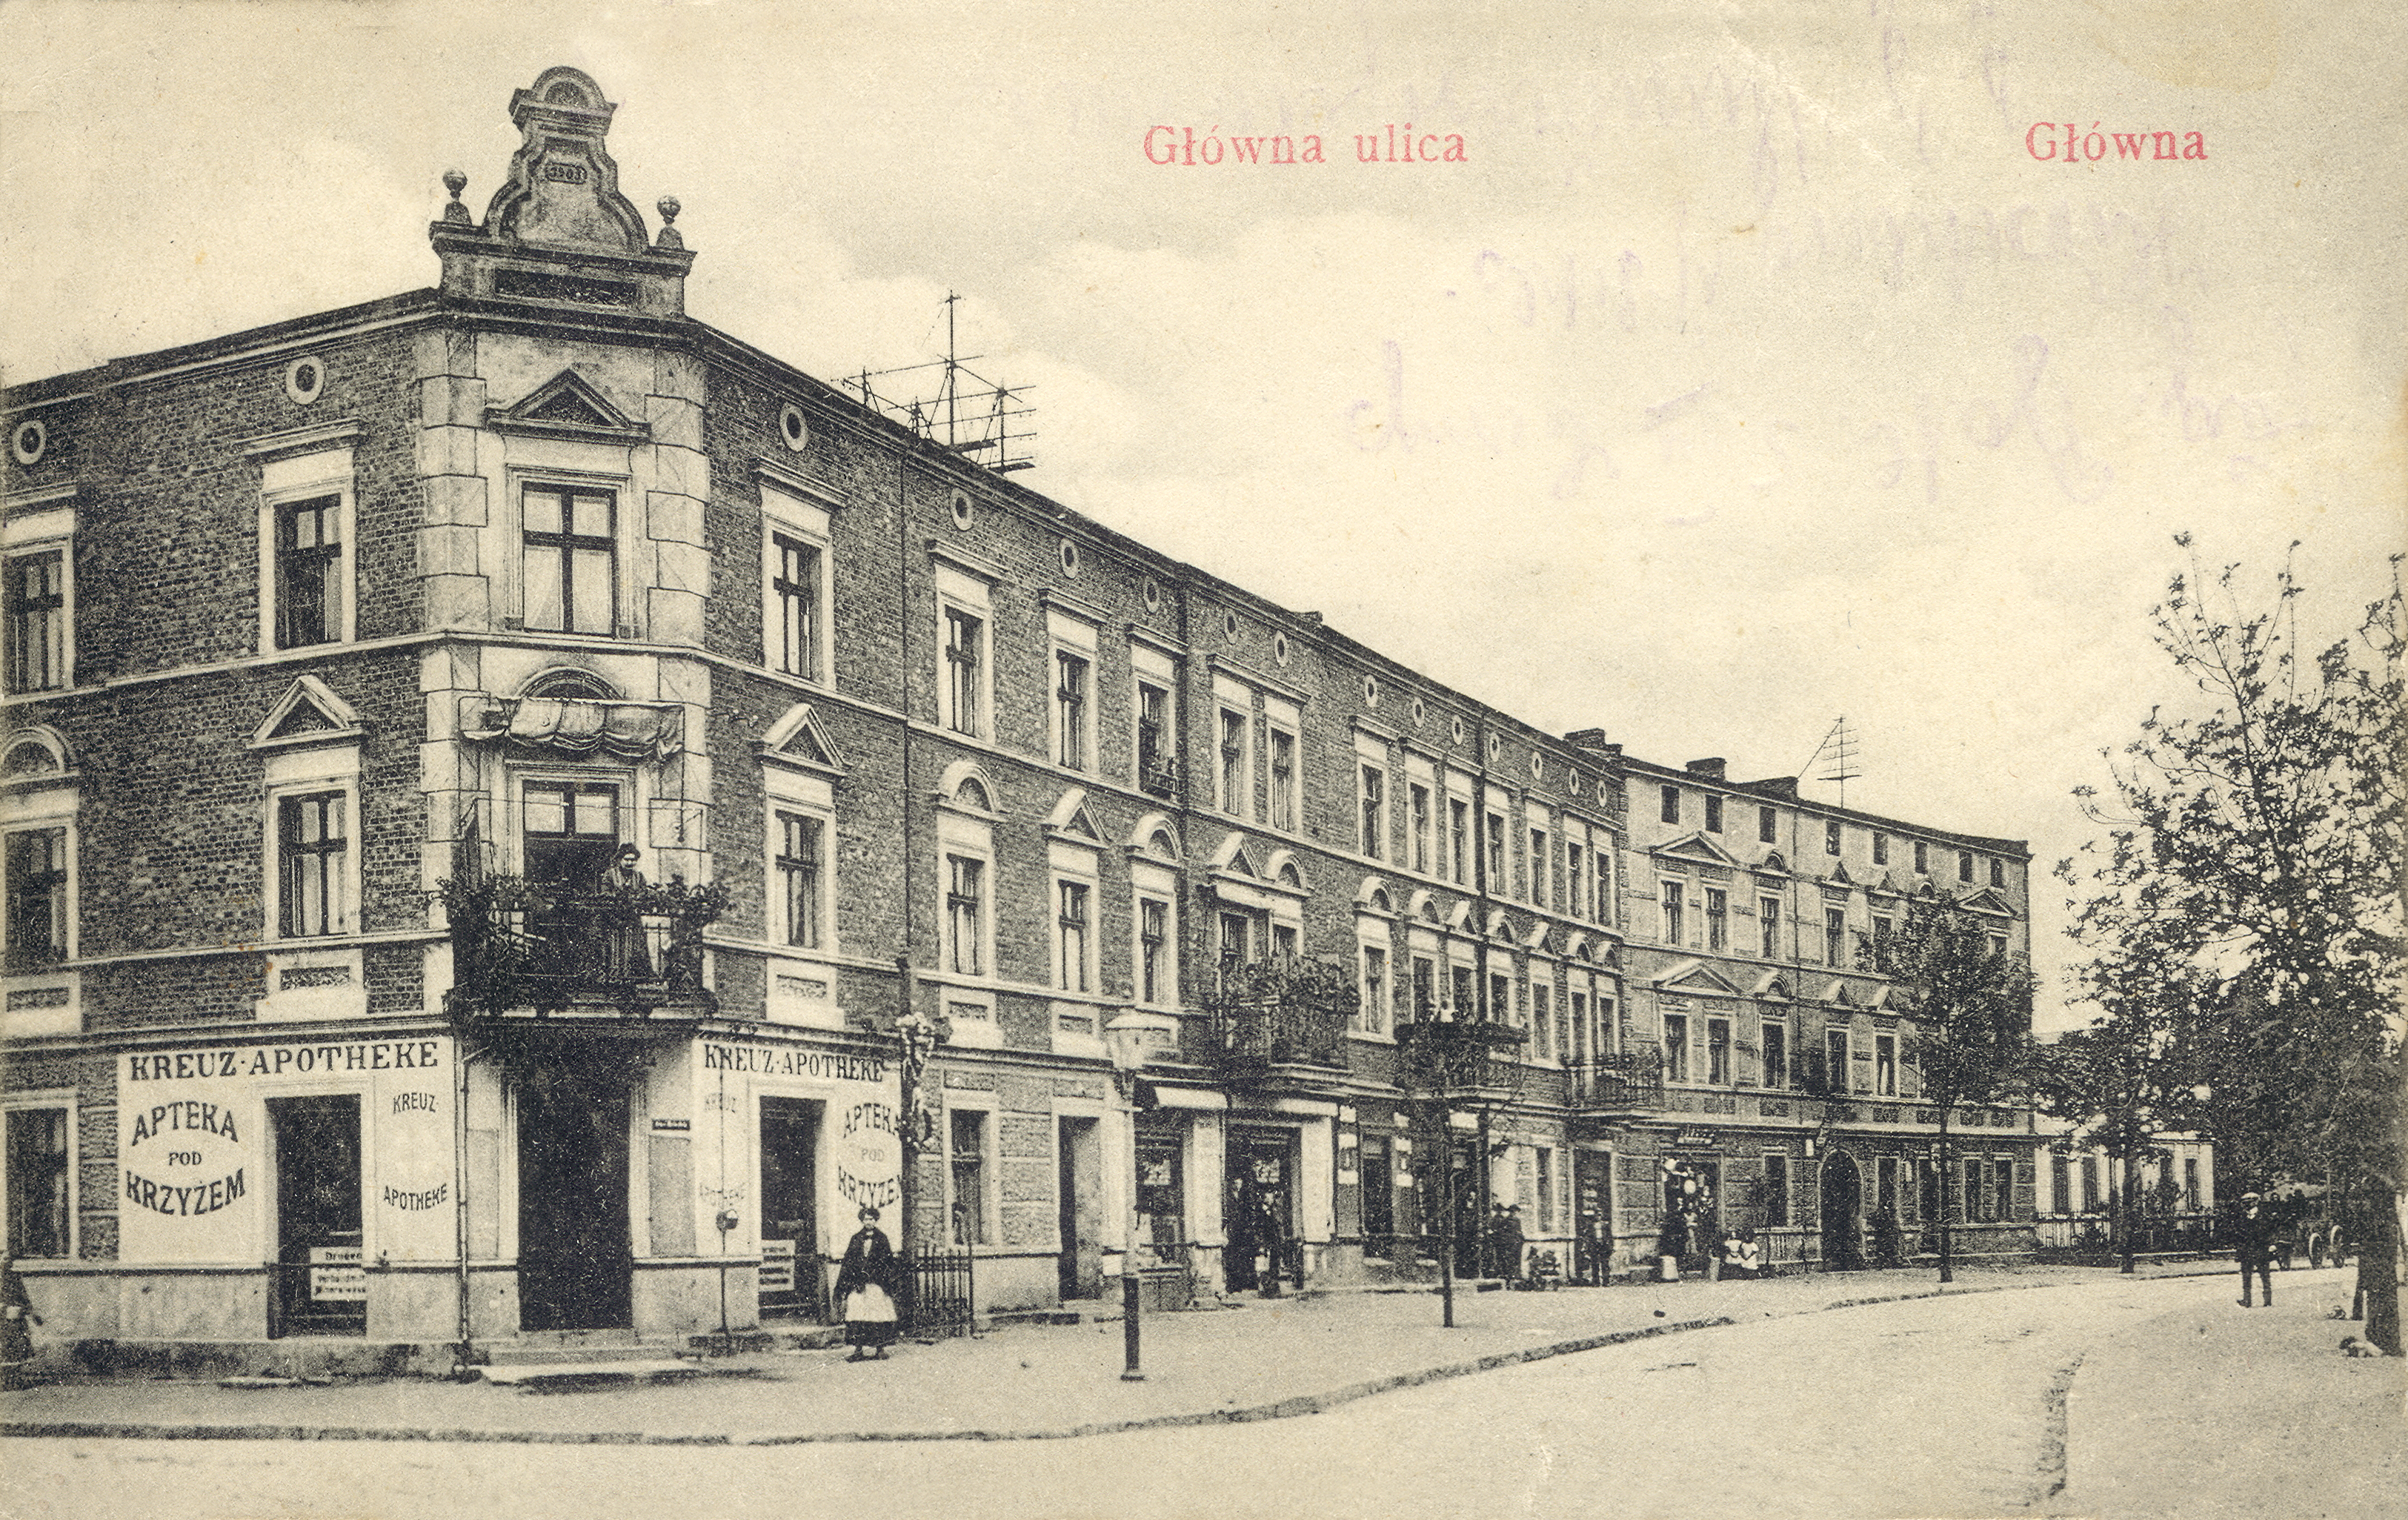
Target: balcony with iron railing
column 1157, row 776
column 1630, row 1078
column 525, row 945
column 1279, row 1019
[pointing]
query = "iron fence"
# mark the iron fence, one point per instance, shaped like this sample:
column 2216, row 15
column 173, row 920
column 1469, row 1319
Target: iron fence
column 936, row 1293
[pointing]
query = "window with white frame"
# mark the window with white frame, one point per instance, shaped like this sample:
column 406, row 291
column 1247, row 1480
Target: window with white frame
column 1424, row 989
column 1676, row 1047
column 1717, row 918
column 1832, row 836
column 1543, row 1018
column 964, row 653
column 1922, row 858
column 1155, row 773
column 1501, row 999
column 312, row 847
column 1886, row 1065
column 1997, row 873
column 1718, row 1051
column 1835, row 1060
column 1768, row 825
column 1669, row 809
column 1418, row 825
column 795, row 580
column 1373, row 1017
column 1714, row 813
column 1768, row 924
column 1672, row 890
column 1372, row 794
column 1881, row 849
column 34, row 600
column 1156, row 980
column 39, row 1181
column 1776, row 1055
column 1965, row 864
column 1234, row 728
column 1284, row 942
column 1074, row 939
column 41, row 925
column 1072, row 719
column 966, row 914
column 1835, row 936
column 306, row 551
column 1575, row 879
column 966, row 1157
column 1458, row 839
column 801, row 878
column 1538, row 868
column 1499, row 880
column 1283, row 778
column 569, row 558
column 1603, row 903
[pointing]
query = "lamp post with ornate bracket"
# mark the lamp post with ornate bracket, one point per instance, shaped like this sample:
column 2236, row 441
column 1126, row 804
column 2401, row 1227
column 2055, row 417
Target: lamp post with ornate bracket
column 1131, row 1039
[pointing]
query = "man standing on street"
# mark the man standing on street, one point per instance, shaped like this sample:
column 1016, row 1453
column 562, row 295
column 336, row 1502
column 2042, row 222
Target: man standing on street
column 2253, row 1240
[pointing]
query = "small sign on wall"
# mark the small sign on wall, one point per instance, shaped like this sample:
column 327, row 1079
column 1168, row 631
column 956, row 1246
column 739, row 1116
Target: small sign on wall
column 337, row 1274
column 777, row 1266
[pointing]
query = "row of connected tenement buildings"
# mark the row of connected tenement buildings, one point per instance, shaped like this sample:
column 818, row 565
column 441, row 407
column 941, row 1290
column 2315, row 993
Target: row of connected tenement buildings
column 486, row 583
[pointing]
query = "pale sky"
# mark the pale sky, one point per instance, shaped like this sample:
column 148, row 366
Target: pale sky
column 1749, row 371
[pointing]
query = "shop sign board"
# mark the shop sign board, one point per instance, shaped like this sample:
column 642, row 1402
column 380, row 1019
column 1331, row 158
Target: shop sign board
column 197, row 1150
column 777, row 1266
column 337, row 1274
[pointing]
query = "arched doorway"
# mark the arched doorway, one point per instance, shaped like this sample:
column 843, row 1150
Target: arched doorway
column 1842, row 1191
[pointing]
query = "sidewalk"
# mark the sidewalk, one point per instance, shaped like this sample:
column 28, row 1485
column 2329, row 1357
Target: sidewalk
column 1273, row 1358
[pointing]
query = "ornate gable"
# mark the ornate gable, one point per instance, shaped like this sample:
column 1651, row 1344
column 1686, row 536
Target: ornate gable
column 567, row 405
column 795, row 740
column 308, row 712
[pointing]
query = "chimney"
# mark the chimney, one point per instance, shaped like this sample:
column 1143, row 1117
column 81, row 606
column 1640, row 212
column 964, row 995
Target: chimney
column 1709, row 767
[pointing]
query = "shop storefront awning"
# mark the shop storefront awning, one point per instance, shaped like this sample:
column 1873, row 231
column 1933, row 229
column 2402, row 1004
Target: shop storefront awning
column 623, row 730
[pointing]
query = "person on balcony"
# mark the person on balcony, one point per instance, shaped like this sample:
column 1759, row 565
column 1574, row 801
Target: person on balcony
column 865, row 1286
column 626, row 955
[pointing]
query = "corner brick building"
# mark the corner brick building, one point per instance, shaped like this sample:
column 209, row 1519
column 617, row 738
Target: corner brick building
column 348, row 658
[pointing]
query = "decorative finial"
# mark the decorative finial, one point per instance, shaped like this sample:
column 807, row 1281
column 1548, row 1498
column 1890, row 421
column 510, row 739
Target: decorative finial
column 670, row 237
column 454, row 181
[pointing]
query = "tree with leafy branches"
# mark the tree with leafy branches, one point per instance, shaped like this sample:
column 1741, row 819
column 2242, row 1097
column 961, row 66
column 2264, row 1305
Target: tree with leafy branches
column 1968, row 1010
column 2128, row 1078
column 2255, row 836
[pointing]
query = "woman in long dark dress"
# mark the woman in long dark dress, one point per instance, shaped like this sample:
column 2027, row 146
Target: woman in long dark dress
column 865, row 1286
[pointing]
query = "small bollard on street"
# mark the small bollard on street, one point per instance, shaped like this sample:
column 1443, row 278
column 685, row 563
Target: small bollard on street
column 1131, row 1285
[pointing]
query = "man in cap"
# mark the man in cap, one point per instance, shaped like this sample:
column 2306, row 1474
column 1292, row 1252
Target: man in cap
column 2253, row 1240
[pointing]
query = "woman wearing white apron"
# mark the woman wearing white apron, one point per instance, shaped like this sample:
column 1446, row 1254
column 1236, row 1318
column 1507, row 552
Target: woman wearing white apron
column 865, row 1286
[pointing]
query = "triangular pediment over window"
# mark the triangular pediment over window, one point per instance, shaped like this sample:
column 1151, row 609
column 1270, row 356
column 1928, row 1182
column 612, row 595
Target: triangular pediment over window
column 1696, row 976
column 567, row 405
column 1070, row 819
column 308, row 712
column 796, row 739
column 1694, row 847
column 1987, row 900
column 1840, row 874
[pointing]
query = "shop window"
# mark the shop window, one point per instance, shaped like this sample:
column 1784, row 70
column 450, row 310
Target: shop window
column 1776, row 1190
column 967, row 1160
column 1161, row 1197
column 38, row 1204
column 570, row 559
column 36, row 591
column 37, row 889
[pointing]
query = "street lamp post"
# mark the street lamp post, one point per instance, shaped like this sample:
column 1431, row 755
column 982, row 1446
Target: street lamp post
column 1127, row 1039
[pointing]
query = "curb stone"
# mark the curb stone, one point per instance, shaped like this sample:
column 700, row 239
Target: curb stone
column 1278, row 1409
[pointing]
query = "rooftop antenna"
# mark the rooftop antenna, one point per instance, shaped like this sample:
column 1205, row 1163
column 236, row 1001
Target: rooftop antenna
column 1838, row 754
column 968, row 414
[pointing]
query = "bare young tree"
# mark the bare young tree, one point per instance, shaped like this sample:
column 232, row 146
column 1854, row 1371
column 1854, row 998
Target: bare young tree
column 2255, row 836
